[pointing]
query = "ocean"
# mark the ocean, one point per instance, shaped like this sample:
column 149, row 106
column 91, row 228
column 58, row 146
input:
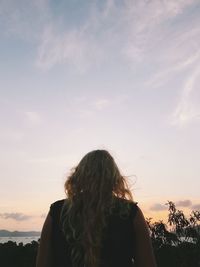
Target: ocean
column 23, row 239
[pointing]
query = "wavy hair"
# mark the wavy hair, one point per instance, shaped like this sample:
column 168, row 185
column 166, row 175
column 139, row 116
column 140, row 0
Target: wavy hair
column 92, row 189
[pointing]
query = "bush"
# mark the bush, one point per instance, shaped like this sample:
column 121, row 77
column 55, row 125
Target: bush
column 177, row 243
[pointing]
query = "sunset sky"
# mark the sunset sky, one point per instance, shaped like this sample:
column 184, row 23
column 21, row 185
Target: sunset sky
column 81, row 75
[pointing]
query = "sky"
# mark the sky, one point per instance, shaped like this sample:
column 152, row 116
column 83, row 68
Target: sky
column 82, row 75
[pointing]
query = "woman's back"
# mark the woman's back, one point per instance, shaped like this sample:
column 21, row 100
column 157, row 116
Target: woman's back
column 117, row 238
column 98, row 224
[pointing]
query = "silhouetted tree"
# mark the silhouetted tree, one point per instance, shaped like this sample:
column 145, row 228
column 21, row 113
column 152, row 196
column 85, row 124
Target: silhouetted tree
column 177, row 243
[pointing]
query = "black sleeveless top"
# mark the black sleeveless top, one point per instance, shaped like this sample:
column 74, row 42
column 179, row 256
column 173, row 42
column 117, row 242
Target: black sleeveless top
column 118, row 241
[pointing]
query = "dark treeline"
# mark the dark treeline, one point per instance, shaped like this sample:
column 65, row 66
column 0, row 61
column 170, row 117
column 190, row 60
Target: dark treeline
column 13, row 255
column 176, row 244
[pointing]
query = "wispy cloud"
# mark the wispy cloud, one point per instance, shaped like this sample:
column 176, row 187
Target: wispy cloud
column 158, row 207
column 12, row 135
column 59, row 159
column 134, row 29
column 149, row 29
column 159, row 39
column 129, row 28
column 15, row 216
column 101, row 103
column 72, row 47
column 196, row 207
column 184, row 203
column 181, row 203
column 90, row 108
column 87, row 107
column 165, row 41
column 185, row 111
column 33, row 118
column 164, row 75
column 24, row 19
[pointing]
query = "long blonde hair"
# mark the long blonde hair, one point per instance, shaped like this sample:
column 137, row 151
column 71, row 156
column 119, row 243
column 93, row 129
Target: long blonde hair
column 91, row 190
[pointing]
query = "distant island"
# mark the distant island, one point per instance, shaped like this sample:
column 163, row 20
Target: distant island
column 6, row 233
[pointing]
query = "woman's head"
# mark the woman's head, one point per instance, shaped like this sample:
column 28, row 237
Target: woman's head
column 97, row 175
column 91, row 190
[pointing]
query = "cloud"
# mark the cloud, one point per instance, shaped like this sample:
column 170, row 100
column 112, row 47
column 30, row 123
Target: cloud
column 132, row 29
column 57, row 159
column 85, row 113
column 196, row 207
column 184, row 203
column 86, row 108
column 33, row 118
column 148, row 34
column 125, row 28
column 158, row 207
column 15, row 216
column 186, row 111
column 101, row 104
column 163, row 76
column 12, row 135
column 72, row 47
column 24, row 19
column 164, row 44
column 158, row 39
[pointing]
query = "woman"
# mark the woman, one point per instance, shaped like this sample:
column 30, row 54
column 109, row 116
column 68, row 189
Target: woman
column 98, row 224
